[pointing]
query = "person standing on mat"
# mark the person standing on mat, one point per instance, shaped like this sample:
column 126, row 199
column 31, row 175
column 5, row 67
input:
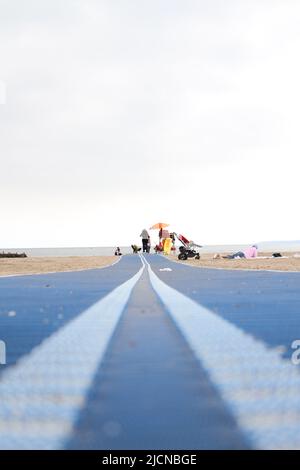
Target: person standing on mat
column 145, row 237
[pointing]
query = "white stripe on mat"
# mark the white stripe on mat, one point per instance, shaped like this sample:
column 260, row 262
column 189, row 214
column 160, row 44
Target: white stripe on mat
column 260, row 387
column 43, row 394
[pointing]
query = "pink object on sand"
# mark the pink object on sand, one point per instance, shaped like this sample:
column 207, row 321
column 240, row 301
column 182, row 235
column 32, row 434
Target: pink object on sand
column 251, row 252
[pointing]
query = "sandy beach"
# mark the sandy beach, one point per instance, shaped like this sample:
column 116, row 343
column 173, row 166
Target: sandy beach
column 287, row 263
column 10, row 266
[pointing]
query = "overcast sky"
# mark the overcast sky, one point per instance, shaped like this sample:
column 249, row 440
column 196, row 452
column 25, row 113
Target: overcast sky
column 116, row 114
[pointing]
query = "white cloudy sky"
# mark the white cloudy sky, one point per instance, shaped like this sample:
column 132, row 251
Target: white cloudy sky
column 120, row 113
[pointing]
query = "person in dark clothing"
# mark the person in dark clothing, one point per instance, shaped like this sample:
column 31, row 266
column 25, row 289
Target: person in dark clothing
column 145, row 238
column 238, row 254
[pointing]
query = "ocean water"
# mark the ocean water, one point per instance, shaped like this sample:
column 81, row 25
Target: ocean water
column 109, row 250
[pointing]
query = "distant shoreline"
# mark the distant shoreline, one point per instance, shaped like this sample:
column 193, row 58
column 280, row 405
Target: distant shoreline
column 290, row 246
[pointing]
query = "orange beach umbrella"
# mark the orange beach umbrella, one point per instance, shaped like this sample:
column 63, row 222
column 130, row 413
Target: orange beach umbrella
column 159, row 225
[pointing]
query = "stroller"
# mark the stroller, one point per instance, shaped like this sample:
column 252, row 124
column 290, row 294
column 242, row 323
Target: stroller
column 187, row 250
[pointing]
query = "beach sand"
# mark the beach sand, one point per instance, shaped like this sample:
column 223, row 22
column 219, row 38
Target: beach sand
column 9, row 266
column 290, row 263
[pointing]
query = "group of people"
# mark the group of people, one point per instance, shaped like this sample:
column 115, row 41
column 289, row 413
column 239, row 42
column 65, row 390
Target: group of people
column 248, row 253
column 135, row 248
column 146, row 243
column 162, row 236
